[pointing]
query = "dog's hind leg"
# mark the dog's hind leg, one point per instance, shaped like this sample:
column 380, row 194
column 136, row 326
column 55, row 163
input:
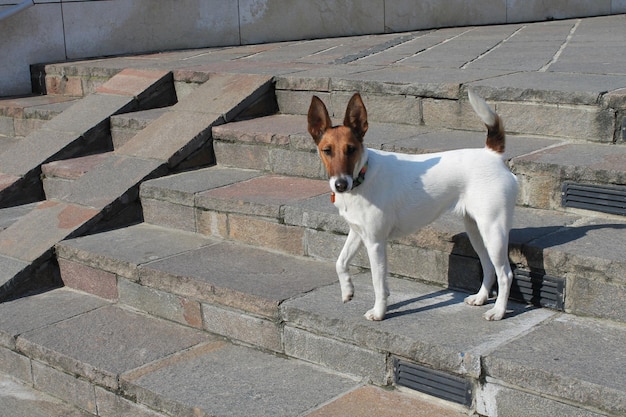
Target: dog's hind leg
column 377, row 253
column 352, row 244
column 496, row 238
column 489, row 273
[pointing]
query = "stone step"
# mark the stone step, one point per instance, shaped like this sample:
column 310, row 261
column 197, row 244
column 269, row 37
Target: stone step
column 20, row 116
column 82, row 128
column 291, row 305
column 93, row 357
column 125, row 126
column 106, row 196
column 280, row 144
column 294, row 215
column 58, row 176
column 571, row 106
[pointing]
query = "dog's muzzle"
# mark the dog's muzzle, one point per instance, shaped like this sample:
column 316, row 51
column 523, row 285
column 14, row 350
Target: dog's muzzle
column 341, row 184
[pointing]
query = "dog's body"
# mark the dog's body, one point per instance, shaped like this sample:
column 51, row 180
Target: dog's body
column 383, row 195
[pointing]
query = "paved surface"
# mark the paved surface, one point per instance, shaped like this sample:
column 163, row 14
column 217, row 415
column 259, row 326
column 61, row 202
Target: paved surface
column 533, row 70
column 575, row 60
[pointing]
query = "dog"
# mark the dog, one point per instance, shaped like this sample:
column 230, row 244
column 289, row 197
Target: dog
column 385, row 195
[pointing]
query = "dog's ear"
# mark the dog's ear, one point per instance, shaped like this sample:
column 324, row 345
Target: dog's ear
column 318, row 119
column 356, row 116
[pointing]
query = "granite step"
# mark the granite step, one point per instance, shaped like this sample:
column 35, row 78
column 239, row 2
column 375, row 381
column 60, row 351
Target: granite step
column 291, row 305
column 58, row 176
column 127, row 125
column 294, row 215
column 106, row 196
column 82, row 128
column 585, row 107
column 94, row 357
column 20, row 116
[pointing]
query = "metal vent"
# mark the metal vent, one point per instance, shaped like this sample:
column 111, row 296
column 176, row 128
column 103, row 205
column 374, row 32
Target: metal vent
column 435, row 383
column 538, row 289
column 604, row 198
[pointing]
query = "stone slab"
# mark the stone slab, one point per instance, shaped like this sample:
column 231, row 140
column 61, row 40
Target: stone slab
column 494, row 399
column 73, row 168
column 549, row 87
column 238, row 276
column 9, row 268
column 182, row 188
column 20, row 400
column 38, row 311
column 225, row 95
column 462, row 338
column 35, row 233
column 113, row 178
column 10, row 215
column 121, row 251
column 105, row 342
column 131, row 82
column 172, row 137
column 577, row 359
column 262, row 196
column 371, row 401
column 242, row 382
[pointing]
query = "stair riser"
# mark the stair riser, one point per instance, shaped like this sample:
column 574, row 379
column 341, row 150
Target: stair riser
column 584, row 122
column 541, row 184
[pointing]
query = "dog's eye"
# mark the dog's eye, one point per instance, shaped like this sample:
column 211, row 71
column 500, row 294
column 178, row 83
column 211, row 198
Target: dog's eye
column 327, row 151
column 350, row 150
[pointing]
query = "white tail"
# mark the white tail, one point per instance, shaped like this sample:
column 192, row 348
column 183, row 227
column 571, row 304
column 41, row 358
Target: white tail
column 481, row 108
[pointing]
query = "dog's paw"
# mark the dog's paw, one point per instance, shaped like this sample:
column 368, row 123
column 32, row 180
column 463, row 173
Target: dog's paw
column 374, row 315
column 494, row 314
column 347, row 293
column 475, row 300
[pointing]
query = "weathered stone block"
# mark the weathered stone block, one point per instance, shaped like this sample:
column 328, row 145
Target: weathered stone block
column 167, row 214
column 88, row 279
column 258, row 332
column 334, row 354
column 259, row 232
column 160, row 303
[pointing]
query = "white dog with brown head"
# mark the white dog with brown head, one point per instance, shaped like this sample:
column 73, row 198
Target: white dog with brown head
column 384, row 195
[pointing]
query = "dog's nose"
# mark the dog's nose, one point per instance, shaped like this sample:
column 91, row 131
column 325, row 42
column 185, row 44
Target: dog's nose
column 341, row 185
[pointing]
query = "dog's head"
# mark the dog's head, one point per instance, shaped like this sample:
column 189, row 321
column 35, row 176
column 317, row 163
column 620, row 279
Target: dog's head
column 340, row 147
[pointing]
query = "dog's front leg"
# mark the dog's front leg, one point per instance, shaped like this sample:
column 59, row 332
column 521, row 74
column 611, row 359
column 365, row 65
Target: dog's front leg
column 377, row 253
column 352, row 244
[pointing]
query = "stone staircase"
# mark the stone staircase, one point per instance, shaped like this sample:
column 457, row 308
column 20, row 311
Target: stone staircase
column 222, row 299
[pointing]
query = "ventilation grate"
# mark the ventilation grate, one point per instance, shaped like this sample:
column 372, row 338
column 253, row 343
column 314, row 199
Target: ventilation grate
column 604, row 198
column 538, row 289
column 435, row 383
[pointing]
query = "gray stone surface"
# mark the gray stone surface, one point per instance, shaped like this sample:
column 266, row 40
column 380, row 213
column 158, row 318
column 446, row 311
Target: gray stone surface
column 9, row 267
column 234, row 381
column 37, row 311
column 578, row 359
column 462, row 337
column 250, row 280
column 182, row 188
column 121, row 251
column 20, row 400
column 496, row 400
column 105, row 342
column 110, row 180
column 10, row 215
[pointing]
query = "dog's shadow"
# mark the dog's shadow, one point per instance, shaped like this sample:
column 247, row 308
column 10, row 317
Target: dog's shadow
column 395, row 309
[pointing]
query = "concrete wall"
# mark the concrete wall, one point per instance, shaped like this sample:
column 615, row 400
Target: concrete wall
column 58, row 30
